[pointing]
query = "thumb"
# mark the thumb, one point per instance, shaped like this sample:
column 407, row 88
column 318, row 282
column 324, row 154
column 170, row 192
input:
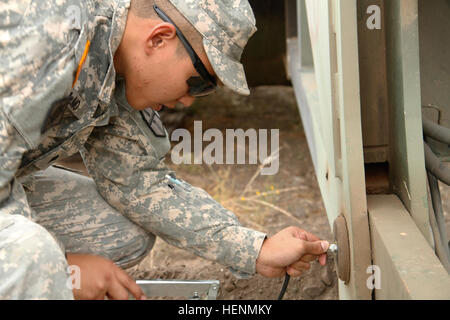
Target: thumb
column 315, row 247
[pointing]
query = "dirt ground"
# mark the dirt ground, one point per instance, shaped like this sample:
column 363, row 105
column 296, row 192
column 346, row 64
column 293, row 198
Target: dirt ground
column 266, row 203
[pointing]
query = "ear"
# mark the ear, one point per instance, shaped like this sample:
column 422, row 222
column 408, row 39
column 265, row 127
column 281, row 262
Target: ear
column 160, row 36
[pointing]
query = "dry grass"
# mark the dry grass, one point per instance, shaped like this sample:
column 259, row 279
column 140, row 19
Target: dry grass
column 252, row 205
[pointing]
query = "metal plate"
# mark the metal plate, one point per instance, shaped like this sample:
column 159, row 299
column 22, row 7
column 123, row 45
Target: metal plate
column 343, row 254
column 190, row 289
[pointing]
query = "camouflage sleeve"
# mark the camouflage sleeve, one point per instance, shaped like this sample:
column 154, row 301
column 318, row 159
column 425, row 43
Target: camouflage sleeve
column 37, row 41
column 126, row 161
column 13, row 199
column 15, row 73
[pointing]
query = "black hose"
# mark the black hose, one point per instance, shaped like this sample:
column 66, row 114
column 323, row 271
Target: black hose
column 284, row 287
column 435, row 166
column 436, row 131
column 439, row 217
column 436, row 170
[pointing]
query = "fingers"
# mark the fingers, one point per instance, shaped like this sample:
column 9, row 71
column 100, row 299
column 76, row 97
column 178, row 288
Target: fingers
column 311, row 237
column 308, row 258
column 316, row 247
column 311, row 251
column 100, row 296
column 300, row 266
column 128, row 283
column 117, row 291
column 294, row 273
column 323, row 259
column 304, row 235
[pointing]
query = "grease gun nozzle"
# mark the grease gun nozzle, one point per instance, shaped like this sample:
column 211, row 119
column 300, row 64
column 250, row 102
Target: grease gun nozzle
column 333, row 248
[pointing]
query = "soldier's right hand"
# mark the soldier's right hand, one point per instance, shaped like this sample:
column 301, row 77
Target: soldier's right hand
column 101, row 278
column 290, row 251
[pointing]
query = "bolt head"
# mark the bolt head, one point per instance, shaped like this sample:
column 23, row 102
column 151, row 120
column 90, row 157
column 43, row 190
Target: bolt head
column 333, row 248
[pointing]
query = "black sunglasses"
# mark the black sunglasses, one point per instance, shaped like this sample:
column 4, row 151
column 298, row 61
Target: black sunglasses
column 198, row 86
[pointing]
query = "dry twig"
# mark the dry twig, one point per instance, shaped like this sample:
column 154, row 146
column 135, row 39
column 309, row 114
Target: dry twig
column 265, row 203
column 265, row 162
column 263, row 194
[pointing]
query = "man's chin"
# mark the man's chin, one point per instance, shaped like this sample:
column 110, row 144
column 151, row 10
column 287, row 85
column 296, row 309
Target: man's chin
column 136, row 103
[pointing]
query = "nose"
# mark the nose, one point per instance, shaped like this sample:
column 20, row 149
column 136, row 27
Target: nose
column 187, row 100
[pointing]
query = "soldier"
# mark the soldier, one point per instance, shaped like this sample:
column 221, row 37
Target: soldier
column 89, row 76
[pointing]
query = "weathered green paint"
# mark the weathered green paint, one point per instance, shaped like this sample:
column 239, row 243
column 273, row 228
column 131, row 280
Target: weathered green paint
column 406, row 156
column 409, row 268
column 330, row 106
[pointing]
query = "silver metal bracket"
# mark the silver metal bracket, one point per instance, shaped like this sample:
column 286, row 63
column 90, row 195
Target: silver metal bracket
column 190, row 289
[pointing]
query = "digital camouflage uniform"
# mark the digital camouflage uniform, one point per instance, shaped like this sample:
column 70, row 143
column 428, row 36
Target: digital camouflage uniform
column 48, row 112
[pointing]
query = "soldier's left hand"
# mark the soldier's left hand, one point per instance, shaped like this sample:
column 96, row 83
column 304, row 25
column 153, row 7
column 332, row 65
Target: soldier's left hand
column 101, row 278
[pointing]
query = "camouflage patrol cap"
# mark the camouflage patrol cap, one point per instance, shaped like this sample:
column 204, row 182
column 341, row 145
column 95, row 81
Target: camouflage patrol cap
column 226, row 26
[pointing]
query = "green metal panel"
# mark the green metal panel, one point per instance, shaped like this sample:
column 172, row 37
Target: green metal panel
column 348, row 103
column 306, row 58
column 341, row 108
column 407, row 164
column 409, row 269
column 329, row 103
